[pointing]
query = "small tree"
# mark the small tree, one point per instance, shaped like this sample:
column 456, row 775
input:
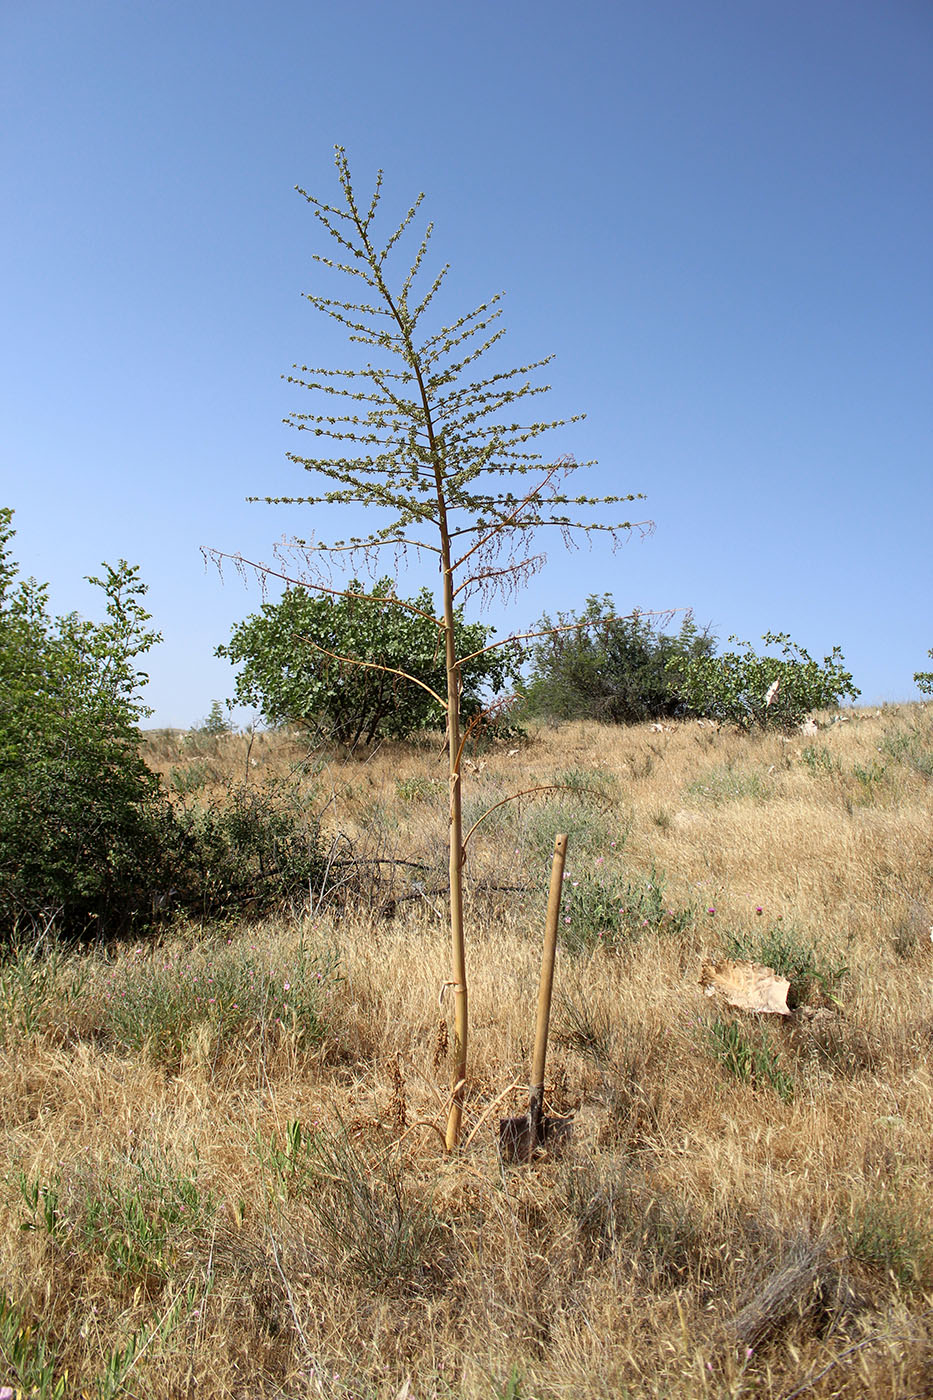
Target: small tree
column 765, row 692
column 444, row 461
column 597, row 665
column 289, row 669
column 924, row 679
column 216, row 724
column 80, row 813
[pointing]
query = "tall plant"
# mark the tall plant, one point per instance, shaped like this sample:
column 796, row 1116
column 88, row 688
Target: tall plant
column 81, row 816
column 439, row 454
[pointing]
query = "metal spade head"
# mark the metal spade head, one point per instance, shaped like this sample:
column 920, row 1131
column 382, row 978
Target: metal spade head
column 520, row 1138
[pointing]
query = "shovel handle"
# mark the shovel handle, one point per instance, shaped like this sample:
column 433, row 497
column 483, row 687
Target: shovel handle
column 547, row 972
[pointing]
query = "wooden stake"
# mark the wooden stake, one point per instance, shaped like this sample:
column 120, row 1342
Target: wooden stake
column 536, row 1104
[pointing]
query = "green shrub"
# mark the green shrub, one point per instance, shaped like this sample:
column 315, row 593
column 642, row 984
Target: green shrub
column 420, row 789
column 249, row 851
column 613, row 912
column 596, row 665
column 589, row 833
column 216, row 723
column 191, row 778
column 82, row 818
column 886, row 1234
column 729, row 784
column 924, row 679
column 588, row 782
column 870, row 777
column 37, row 981
column 912, row 748
column 369, row 1221
column 286, row 672
column 767, row 692
column 820, row 761
column 780, row 946
column 157, row 1001
column 29, row 1357
column 133, row 1220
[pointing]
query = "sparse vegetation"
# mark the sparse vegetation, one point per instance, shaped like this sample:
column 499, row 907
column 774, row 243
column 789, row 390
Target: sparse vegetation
column 238, row 1186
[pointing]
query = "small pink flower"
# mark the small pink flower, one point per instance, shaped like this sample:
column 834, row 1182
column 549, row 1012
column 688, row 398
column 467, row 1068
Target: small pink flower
column 759, row 910
column 711, row 910
column 286, row 986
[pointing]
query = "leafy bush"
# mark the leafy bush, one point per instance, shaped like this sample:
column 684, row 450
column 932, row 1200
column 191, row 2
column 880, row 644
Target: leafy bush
column 768, row 692
column 287, row 673
column 615, row 669
column 81, row 816
column 216, row 723
column 252, row 850
column 88, row 839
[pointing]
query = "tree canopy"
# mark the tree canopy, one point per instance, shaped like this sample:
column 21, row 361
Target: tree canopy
column 764, row 692
column 597, row 665
column 289, row 654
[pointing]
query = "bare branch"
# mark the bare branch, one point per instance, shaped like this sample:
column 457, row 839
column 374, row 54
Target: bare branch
column 570, row 627
column 527, row 792
column 241, row 563
column 532, row 495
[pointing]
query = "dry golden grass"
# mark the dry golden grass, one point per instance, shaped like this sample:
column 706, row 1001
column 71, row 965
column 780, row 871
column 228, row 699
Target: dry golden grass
column 245, row 1208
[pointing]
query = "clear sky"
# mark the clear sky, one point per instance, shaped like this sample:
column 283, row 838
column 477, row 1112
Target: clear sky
column 716, row 214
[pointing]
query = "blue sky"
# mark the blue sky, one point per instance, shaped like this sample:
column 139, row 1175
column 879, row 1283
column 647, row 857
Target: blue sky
column 717, row 215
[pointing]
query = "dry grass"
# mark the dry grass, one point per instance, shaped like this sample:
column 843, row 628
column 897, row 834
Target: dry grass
column 245, row 1197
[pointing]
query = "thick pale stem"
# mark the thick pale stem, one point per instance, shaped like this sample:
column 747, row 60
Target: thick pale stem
column 458, row 950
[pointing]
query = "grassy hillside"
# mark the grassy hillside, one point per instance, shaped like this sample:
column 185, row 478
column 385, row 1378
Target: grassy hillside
column 222, row 1177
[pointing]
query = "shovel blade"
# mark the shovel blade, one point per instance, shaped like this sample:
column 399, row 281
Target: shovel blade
column 519, row 1143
